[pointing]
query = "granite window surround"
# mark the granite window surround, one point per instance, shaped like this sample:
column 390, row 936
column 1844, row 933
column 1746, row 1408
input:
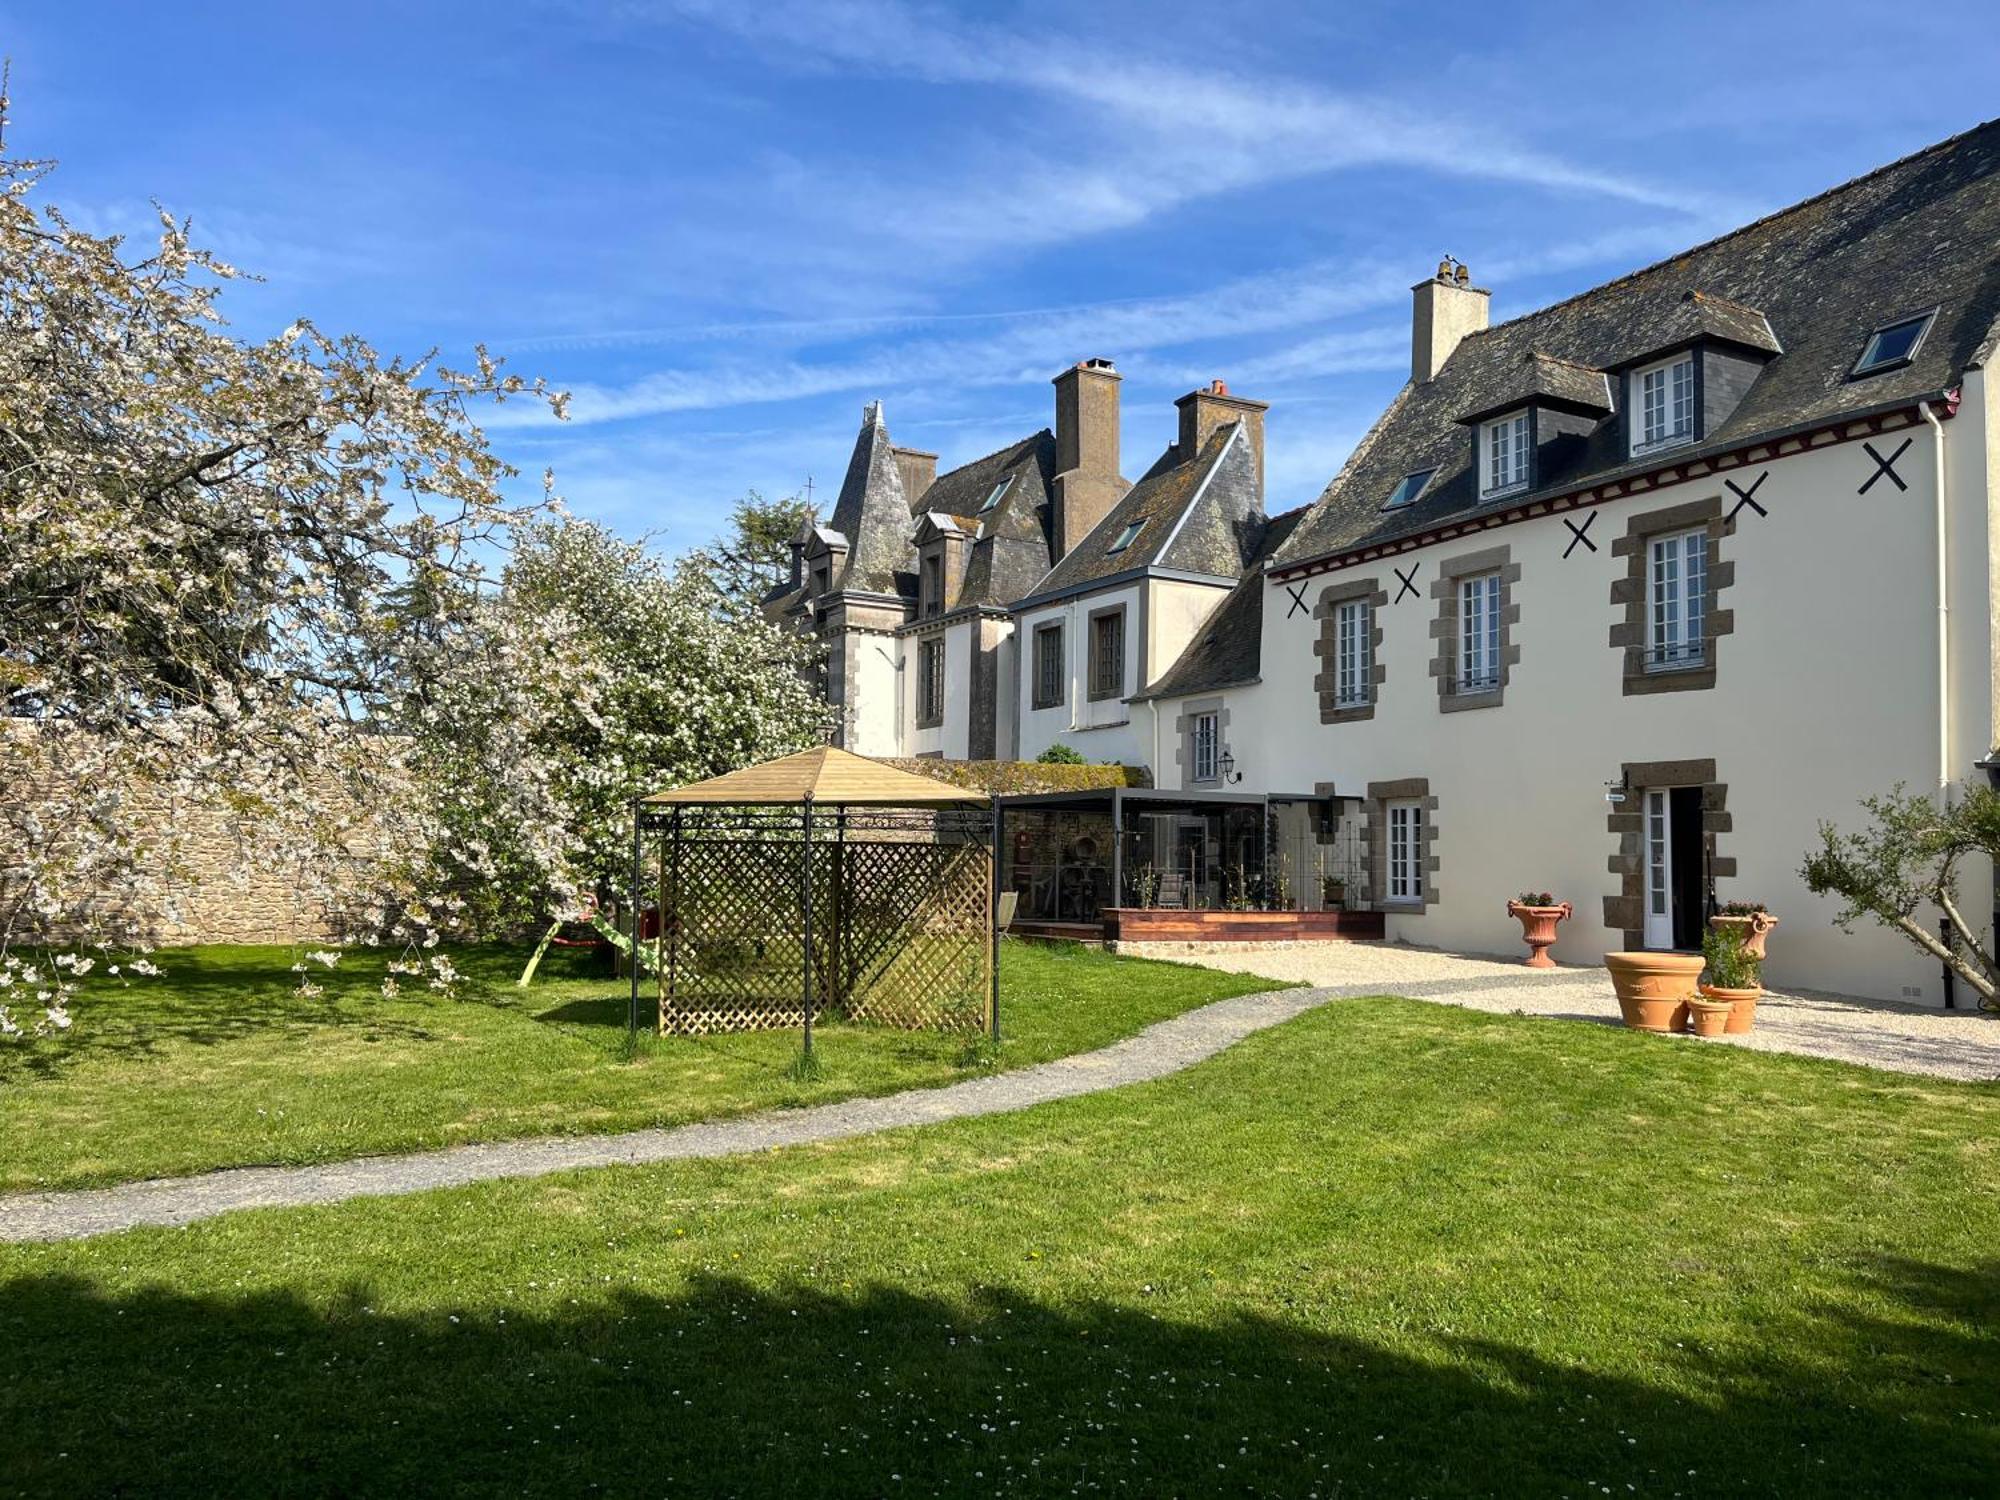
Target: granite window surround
column 1326, row 646
column 1631, row 594
column 1375, row 833
column 1106, row 667
column 1445, row 626
column 1051, row 668
column 1625, row 912
column 1184, row 739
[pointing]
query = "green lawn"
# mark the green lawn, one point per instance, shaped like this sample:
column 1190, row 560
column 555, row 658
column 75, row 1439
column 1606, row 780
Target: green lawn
column 220, row 1064
column 1387, row 1249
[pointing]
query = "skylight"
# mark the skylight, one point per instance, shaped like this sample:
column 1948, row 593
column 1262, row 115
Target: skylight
column 999, row 494
column 1410, row 486
column 1124, row 538
column 1894, row 345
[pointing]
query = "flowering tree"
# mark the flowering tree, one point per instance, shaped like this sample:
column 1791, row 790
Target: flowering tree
column 219, row 559
column 596, row 673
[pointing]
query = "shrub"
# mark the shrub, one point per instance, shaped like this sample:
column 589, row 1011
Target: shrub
column 1729, row 966
column 1060, row 754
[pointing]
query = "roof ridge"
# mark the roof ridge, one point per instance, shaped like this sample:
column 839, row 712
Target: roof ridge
column 1003, row 448
column 1742, row 229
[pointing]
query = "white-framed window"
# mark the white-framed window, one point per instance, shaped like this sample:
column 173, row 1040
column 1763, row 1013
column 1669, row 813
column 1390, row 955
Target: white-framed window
column 1051, row 671
column 1354, row 645
column 1678, row 583
column 1206, row 737
column 1504, row 461
column 930, row 680
column 1406, row 851
column 1478, row 633
column 1663, row 402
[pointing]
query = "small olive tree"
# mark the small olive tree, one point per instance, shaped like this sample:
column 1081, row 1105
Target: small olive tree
column 1908, row 859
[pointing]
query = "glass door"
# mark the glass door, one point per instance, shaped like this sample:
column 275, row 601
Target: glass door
column 1659, row 932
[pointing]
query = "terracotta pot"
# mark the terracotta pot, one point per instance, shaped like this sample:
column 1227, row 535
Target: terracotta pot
column 1742, row 1005
column 1653, row 988
column 1538, row 930
column 1710, row 1017
column 1754, row 929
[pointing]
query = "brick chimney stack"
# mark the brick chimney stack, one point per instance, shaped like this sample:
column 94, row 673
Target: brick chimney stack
column 1446, row 308
column 1204, row 411
column 1087, row 482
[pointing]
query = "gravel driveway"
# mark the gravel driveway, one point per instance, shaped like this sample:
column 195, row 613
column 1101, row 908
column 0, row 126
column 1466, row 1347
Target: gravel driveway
column 1961, row 1044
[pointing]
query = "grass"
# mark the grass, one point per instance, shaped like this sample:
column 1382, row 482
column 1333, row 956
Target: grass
column 1386, row 1249
column 220, row 1064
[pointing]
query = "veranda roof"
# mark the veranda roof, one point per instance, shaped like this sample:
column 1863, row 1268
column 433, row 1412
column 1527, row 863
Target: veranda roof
column 827, row 776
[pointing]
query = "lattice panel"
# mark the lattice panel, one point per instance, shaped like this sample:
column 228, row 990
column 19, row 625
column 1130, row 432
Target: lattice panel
column 900, row 933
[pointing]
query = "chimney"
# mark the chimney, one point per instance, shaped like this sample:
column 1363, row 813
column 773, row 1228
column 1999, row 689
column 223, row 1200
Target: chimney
column 1447, row 308
column 1204, row 411
column 916, row 468
column 1087, row 480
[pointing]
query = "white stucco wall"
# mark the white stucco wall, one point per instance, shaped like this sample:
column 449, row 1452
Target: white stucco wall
column 869, row 667
column 1826, row 692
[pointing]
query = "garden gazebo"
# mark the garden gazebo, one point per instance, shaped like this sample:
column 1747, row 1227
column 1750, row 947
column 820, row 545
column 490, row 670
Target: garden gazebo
column 821, row 883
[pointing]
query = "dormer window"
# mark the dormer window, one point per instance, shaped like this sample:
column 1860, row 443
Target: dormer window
column 930, row 591
column 1503, row 460
column 822, row 578
column 1895, row 345
column 1663, row 395
column 999, row 493
column 1408, row 488
column 1124, row 538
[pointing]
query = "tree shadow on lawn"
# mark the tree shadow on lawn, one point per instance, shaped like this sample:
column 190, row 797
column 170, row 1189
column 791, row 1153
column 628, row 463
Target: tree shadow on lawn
column 218, row 995
column 739, row 1389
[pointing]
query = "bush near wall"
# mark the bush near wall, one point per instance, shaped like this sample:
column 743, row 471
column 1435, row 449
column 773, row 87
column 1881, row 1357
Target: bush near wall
column 1015, row 778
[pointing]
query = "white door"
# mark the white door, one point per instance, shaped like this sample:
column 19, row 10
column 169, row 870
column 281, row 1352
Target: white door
column 1659, row 869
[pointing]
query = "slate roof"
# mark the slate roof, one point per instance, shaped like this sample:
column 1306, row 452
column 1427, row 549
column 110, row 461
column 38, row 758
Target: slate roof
column 1199, row 515
column 1013, row 546
column 1227, row 652
column 1814, row 280
column 1544, row 377
column 872, row 511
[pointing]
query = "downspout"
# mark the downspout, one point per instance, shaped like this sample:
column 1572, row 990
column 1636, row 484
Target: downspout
column 1943, row 602
column 1943, row 659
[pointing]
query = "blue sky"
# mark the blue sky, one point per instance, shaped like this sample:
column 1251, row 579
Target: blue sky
column 726, row 226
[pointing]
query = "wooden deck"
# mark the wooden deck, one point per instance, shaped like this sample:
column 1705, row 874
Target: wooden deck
column 1129, row 924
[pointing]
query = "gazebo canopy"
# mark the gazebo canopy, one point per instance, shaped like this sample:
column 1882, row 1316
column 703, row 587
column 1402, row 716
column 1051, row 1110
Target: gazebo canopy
column 826, row 777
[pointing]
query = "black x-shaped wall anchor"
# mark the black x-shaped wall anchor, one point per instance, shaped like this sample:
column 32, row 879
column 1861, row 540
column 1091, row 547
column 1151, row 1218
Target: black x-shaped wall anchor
column 1885, row 466
column 1746, row 497
column 1298, row 593
column 1576, row 533
column 1407, row 580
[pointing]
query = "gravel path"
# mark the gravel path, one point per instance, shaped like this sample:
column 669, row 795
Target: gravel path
column 1963, row 1044
column 1162, row 1048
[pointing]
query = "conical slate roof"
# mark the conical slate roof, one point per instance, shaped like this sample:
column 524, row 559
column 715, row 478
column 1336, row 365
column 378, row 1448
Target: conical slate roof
column 872, row 510
column 826, row 776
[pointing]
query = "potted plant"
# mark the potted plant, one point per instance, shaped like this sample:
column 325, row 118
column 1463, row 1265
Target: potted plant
column 1653, row 988
column 1708, row 1017
column 1748, row 918
column 1539, row 912
column 1732, row 975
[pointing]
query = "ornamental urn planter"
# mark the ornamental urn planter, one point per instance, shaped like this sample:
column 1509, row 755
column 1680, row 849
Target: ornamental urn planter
column 1538, row 930
column 1653, row 988
column 1709, row 1017
column 1754, row 927
column 1742, row 1005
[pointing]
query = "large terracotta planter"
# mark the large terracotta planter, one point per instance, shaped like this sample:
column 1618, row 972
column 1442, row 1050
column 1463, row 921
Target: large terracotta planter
column 1709, row 1017
column 1653, row 988
column 1754, row 929
column 1742, row 1005
column 1538, row 930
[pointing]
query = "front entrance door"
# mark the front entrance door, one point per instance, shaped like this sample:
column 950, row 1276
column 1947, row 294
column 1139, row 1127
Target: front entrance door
column 1675, row 884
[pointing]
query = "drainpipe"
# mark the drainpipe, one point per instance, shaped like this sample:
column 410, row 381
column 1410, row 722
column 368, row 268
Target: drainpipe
column 1943, row 602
